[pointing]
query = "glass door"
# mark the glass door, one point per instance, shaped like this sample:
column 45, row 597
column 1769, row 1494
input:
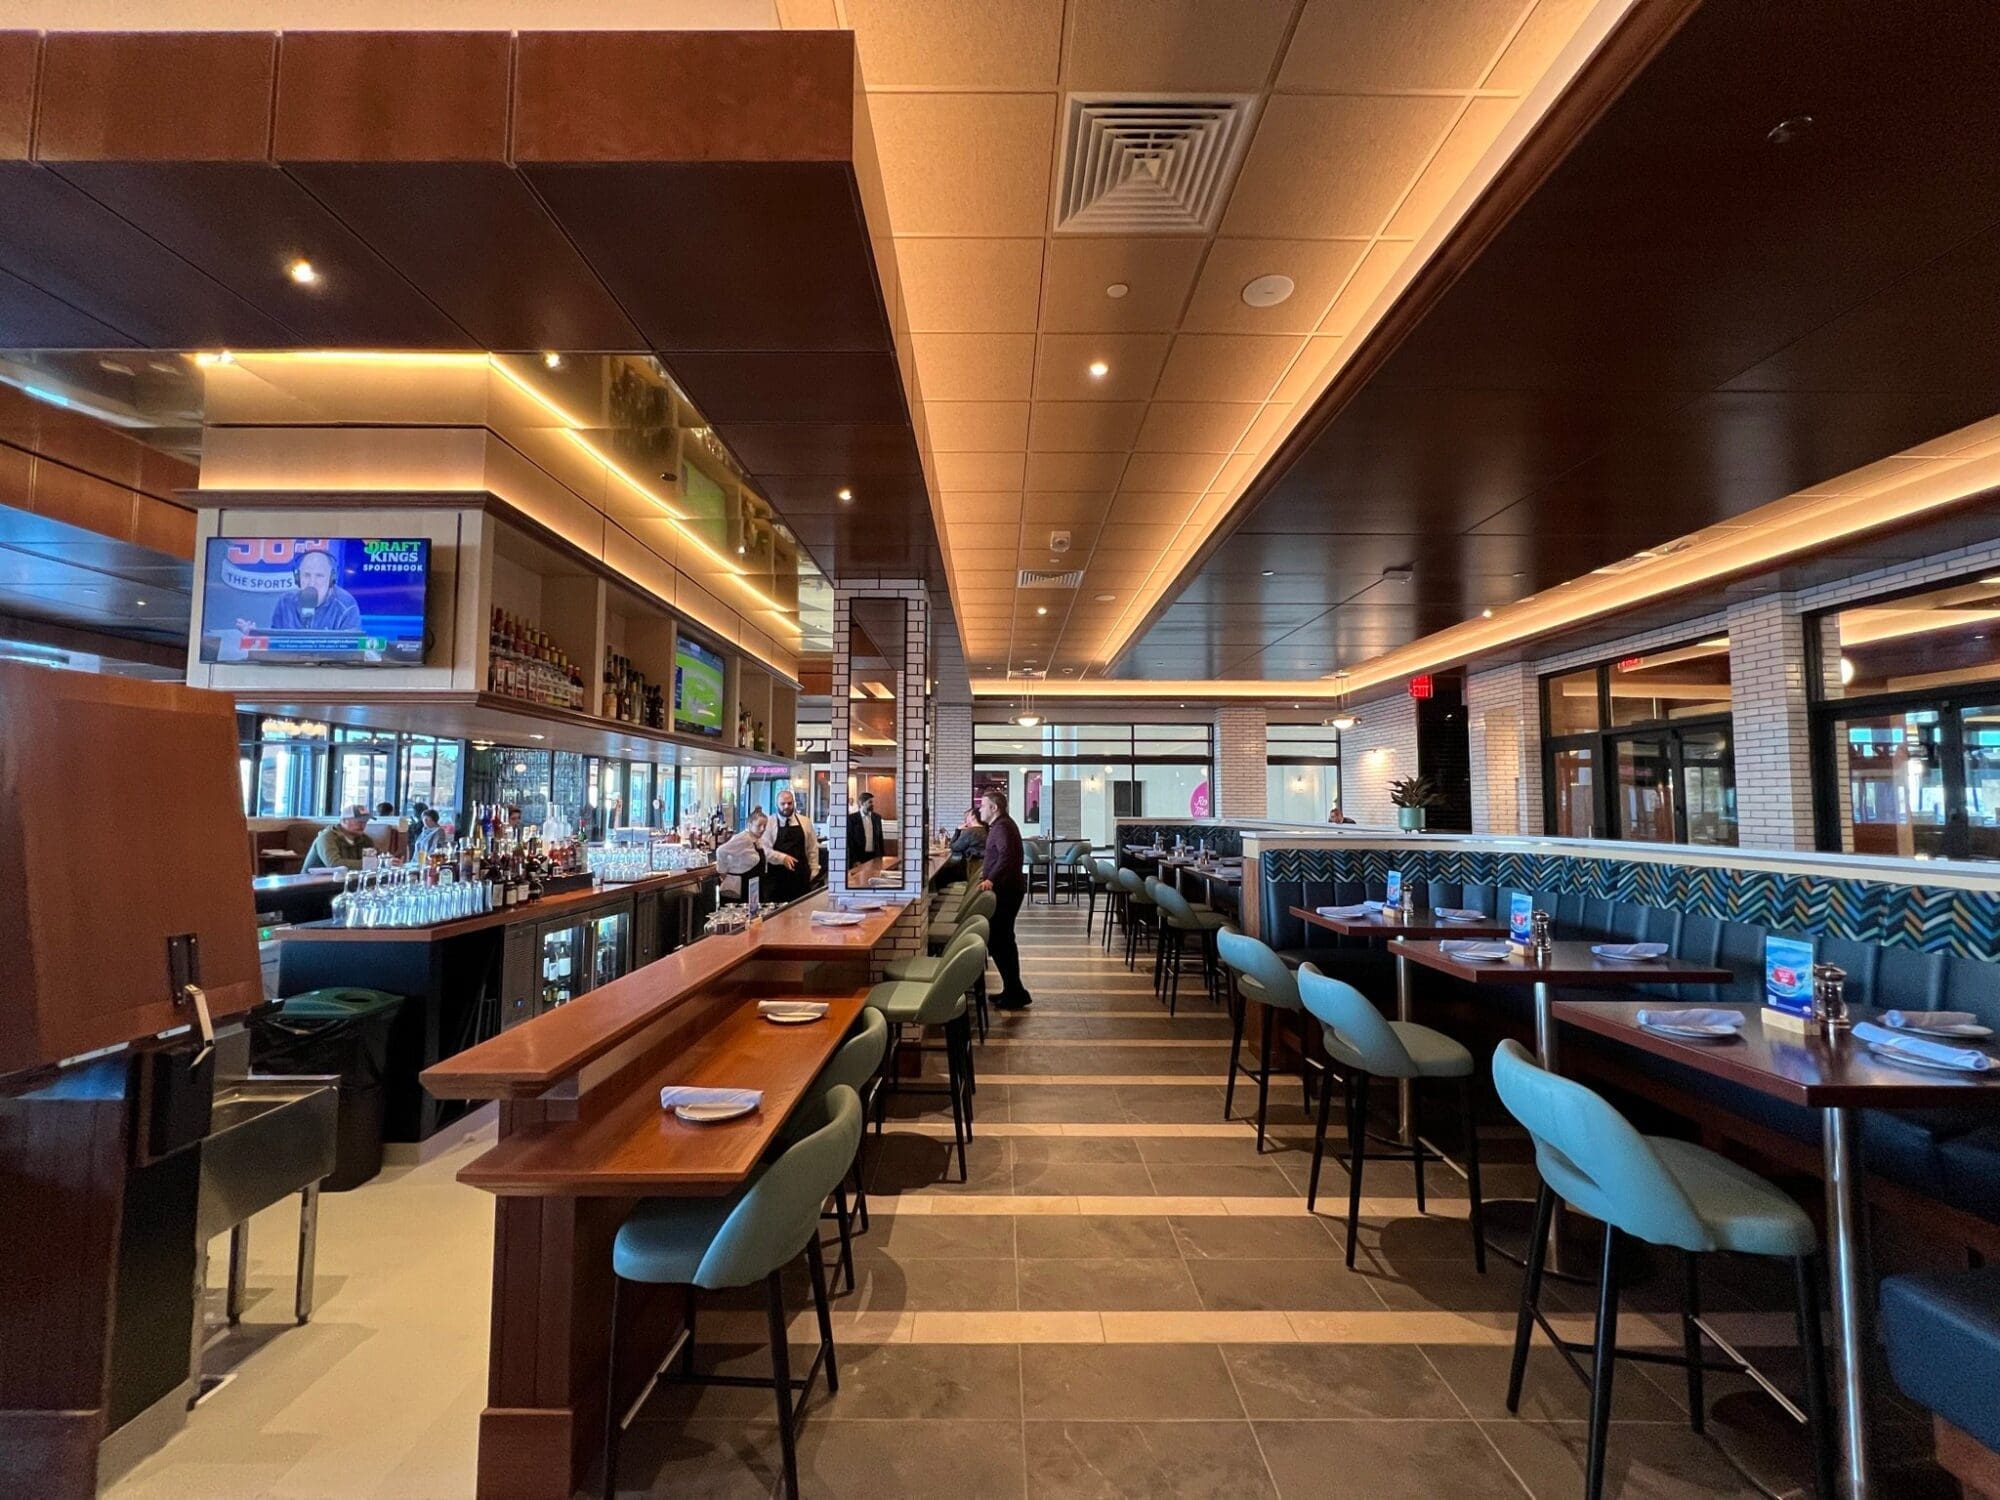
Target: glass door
column 1979, row 812
column 1708, row 786
column 609, row 939
column 1643, row 795
column 559, row 950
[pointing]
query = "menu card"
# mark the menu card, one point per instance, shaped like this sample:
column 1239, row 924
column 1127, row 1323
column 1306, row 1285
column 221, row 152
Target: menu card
column 1392, row 893
column 1520, row 919
column 1788, row 982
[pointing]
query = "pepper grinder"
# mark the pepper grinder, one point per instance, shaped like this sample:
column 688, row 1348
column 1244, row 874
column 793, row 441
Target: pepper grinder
column 1541, row 928
column 1830, row 999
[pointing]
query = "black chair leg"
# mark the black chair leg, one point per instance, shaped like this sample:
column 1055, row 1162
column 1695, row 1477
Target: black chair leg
column 841, row 1218
column 1691, row 1338
column 1812, row 1348
column 826, row 1319
column 1603, row 1367
column 1531, row 1292
column 1417, row 1141
column 1305, row 1063
column 1238, row 1006
column 956, row 1088
column 1319, row 1146
column 1477, row 1212
column 1265, row 1020
column 860, row 1190
column 781, row 1379
column 611, row 1427
column 1357, row 1130
column 687, row 1345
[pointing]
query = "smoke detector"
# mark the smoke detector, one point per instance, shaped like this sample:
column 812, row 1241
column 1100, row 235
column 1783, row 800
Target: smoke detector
column 1058, row 541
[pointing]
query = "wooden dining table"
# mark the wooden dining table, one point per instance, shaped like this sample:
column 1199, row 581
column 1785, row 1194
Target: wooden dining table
column 1839, row 1077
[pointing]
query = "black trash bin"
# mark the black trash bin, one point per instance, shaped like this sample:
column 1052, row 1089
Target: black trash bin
column 343, row 1032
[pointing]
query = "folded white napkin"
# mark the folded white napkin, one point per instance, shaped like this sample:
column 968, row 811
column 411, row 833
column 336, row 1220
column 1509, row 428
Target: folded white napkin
column 790, row 1007
column 1349, row 913
column 1474, row 948
column 1630, row 952
column 1696, row 1018
column 674, row 1095
column 1967, row 1058
column 1929, row 1020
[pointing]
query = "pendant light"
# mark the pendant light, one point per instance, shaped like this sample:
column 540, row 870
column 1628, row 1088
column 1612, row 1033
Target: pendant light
column 1027, row 718
column 1342, row 720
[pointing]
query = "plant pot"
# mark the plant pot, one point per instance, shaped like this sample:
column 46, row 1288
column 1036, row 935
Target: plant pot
column 1410, row 819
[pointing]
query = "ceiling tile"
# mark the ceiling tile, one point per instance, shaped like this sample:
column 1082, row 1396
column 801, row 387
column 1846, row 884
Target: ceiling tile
column 975, row 366
column 972, row 164
column 1225, row 366
column 1378, row 267
column 1150, row 472
column 965, row 535
column 1318, row 267
column 979, row 471
column 1123, row 536
column 1158, row 272
column 1062, row 369
column 1158, row 45
column 977, row 426
column 1548, row 29
column 996, row 44
column 1233, row 472
column 1098, row 472
column 1194, row 427
column 971, row 285
column 1272, row 420
column 1137, row 507
column 1333, row 167
column 1302, row 378
column 1078, row 507
column 1475, row 131
column 1341, row 47
column 1084, row 426
column 979, row 506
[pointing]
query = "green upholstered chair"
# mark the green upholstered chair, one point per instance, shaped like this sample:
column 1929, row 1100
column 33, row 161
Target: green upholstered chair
column 1664, row 1192
column 858, row 1066
column 938, row 1002
column 1258, row 975
column 750, row 1236
column 1179, row 922
column 1362, row 1045
column 979, row 904
column 926, row 968
column 1103, row 882
column 1140, row 914
column 1072, row 857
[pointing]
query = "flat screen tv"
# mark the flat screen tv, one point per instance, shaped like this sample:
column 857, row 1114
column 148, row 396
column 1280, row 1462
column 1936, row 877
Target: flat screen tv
column 315, row 601
column 698, row 688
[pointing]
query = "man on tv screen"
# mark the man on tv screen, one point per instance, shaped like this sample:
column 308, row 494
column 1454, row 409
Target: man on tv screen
column 315, row 603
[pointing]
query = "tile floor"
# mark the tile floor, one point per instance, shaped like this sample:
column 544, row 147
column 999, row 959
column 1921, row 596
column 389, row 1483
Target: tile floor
column 1124, row 1300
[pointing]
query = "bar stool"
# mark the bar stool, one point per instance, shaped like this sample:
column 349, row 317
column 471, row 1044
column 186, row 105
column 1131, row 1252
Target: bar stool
column 708, row 1244
column 858, row 1066
column 1139, row 911
column 939, row 1002
column 1098, row 872
column 1178, row 918
column 1259, row 974
column 926, row 969
column 1366, row 1046
column 980, row 904
column 1662, row 1192
column 1106, row 872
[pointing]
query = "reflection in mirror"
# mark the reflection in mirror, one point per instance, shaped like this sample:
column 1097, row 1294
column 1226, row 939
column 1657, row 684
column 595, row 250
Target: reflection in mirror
column 874, row 821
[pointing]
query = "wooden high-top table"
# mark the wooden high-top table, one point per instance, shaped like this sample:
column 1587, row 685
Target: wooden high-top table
column 583, row 1138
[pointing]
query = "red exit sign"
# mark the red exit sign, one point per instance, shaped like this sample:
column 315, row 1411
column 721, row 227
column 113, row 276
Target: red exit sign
column 1420, row 687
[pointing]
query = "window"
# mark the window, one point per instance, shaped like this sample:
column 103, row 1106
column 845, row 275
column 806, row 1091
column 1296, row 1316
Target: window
column 1906, row 732
column 1642, row 748
column 429, row 771
column 1119, row 771
column 1301, row 772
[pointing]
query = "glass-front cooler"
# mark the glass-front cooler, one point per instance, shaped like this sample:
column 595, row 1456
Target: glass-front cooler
column 559, row 948
column 610, row 945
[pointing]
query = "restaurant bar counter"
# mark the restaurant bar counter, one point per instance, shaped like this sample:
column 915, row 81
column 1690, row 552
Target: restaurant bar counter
column 583, row 1137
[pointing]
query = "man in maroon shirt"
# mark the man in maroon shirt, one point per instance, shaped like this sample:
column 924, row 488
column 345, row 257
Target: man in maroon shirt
column 1009, row 885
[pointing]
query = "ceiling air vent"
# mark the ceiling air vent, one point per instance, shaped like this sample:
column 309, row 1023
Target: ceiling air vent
column 1037, row 578
column 1149, row 163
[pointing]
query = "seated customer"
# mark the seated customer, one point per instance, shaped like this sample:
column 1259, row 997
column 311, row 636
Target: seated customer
column 341, row 846
column 968, row 841
column 430, row 834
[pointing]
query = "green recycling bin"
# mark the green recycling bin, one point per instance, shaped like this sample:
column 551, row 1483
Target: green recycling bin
column 344, row 1032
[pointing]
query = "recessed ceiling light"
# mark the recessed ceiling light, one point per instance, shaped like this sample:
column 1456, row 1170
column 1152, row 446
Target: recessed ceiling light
column 302, row 272
column 1268, row 291
column 1486, row 614
column 1270, row 572
column 553, row 360
column 1099, row 369
column 140, row 602
column 741, row 549
column 1041, row 609
column 1106, row 598
column 537, row 736
column 1786, row 131
column 1116, row 290
column 846, row 495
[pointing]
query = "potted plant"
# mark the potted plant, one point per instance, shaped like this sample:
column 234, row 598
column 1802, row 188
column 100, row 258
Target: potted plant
column 1412, row 795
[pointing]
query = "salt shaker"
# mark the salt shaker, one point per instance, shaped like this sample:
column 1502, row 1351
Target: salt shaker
column 1541, row 928
column 1830, row 998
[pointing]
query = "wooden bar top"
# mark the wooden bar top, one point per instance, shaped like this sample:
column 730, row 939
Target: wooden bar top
column 637, row 1147
column 531, row 1058
column 546, row 909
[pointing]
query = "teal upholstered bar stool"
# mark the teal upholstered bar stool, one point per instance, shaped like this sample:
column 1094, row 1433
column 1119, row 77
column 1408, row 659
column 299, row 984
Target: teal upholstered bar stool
column 1179, row 922
column 1259, row 975
column 1663, row 1192
column 710, row 1243
column 978, row 904
column 1103, row 876
column 1073, row 871
column 1363, row 1045
column 1141, row 916
column 926, row 968
column 858, row 1066
column 938, row 1002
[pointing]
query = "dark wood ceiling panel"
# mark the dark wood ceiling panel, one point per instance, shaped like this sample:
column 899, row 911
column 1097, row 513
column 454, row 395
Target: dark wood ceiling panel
column 1682, row 321
column 841, row 451
column 156, row 96
column 35, row 320
column 392, row 96
column 803, row 386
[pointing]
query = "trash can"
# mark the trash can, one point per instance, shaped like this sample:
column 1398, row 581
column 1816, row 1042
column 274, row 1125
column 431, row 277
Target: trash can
column 344, row 1032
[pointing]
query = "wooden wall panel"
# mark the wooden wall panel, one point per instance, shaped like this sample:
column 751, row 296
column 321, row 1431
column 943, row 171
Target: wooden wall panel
column 379, row 96
column 174, row 96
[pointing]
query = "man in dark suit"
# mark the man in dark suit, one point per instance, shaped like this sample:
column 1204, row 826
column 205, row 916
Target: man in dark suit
column 1003, row 876
column 864, row 832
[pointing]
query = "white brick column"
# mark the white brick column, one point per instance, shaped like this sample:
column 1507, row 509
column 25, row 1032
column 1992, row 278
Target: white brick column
column 1380, row 748
column 1504, row 717
column 1768, row 702
column 1240, row 789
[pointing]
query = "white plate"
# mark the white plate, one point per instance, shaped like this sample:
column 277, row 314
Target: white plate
column 1463, row 916
column 793, row 1017
column 1625, row 958
column 1480, row 958
column 837, row 919
column 1921, row 1064
column 711, row 1114
column 1695, row 1033
column 1967, row 1030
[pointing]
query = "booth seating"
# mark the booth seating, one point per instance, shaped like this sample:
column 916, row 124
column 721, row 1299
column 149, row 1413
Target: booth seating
column 1944, row 1155
column 1941, row 1330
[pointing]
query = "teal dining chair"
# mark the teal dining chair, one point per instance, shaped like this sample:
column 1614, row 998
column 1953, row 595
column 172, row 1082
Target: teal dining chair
column 1362, row 1045
column 1258, row 975
column 708, row 1244
column 1179, row 920
column 937, row 1003
column 1140, row 914
column 858, row 1066
column 1663, row 1192
column 926, row 967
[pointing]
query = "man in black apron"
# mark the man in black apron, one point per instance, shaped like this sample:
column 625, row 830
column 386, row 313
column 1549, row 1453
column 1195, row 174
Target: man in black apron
column 791, row 852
